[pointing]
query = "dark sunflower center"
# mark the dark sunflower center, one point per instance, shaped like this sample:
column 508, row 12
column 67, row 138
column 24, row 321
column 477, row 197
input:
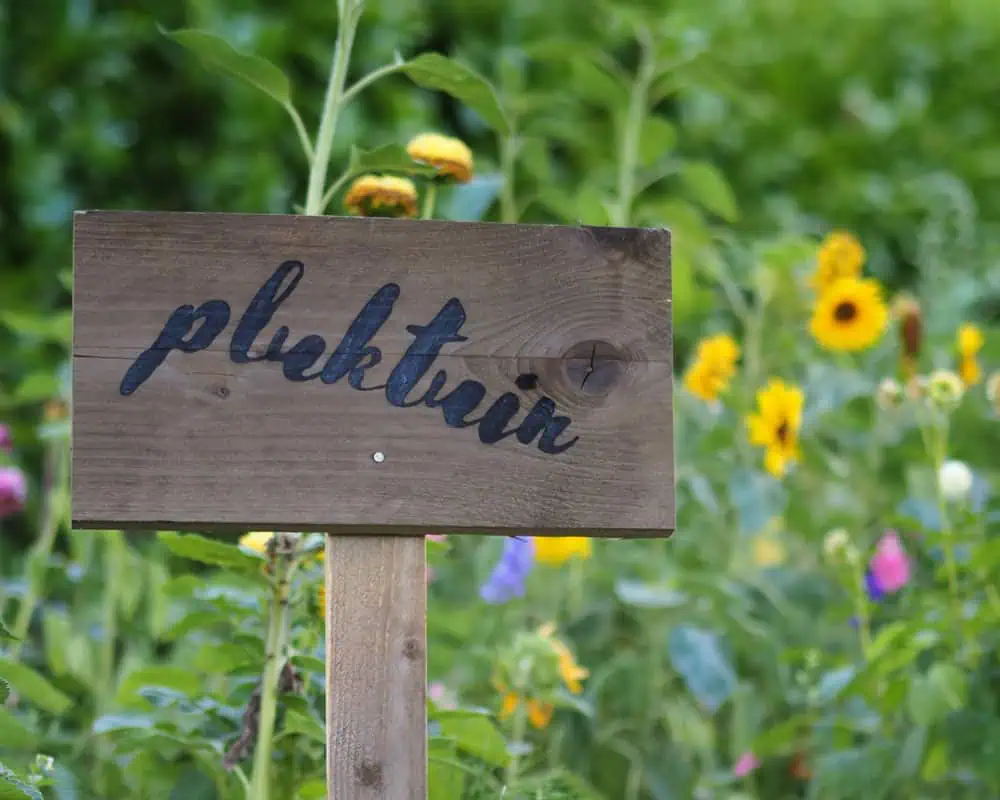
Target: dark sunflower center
column 845, row 311
column 782, row 432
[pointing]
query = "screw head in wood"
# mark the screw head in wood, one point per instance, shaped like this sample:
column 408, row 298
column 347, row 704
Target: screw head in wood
column 378, row 457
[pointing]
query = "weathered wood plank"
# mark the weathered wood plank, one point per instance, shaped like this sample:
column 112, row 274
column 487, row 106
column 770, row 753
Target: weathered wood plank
column 376, row 668
column 201, row 440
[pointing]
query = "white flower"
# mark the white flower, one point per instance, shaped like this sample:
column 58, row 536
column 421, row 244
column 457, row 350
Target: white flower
column 955, row 480
column 889, row 394
column 837, row 545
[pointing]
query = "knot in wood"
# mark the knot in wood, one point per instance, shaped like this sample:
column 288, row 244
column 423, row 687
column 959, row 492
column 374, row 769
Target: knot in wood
column 593, row 367
column 369, row 773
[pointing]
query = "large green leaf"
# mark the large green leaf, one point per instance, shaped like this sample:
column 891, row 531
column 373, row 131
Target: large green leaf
column 475, row 734
column 435, row 71
column 210, row 551
column 34, row 688
column 303, row 724
column 12, row 788
column 218, row 53
column 697, row 656
column 386, row 158
column 707, row 187
column 445, row 776
column 4, row 633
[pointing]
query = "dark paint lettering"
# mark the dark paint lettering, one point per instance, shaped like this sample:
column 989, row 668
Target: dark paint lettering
column 354, row 356
column 260, row 311
column 213, row 315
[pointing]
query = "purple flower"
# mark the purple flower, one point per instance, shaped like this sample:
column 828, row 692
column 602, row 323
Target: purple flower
column 13, row 491
column 508, row 576
column 875, row 592
column 6, row 439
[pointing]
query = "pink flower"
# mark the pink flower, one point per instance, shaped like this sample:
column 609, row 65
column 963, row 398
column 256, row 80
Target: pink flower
column 441, row 695
column 6, row 439
column 746, row 764
column 437, row 537
column 13, row 491
column 890, row 567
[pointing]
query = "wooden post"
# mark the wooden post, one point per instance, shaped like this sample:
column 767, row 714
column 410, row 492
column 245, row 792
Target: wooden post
column 377, row 380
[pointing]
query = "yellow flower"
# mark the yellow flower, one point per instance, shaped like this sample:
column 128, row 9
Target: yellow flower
column 321, row 600
column 969, row 343
column 256, row 541
column 571, row 672
column 768, row 551
column 776, row 424
column 849, row 315
column 451, row 157
column 381, row 196
column 556, row 550
column 713, row 367
column 840, row 256
column 539, row 713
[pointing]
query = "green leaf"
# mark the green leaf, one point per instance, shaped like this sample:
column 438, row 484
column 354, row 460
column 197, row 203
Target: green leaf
column 210, row 551
column 179, row 679
column 647, row 595
column 658, row 138
column 218, row 53
column 309, row 663
column 303, row 724
column 33, row 687
column 936, row 764
column 14, row 735
column 474, row 734
column 469, row 202
column 110, row 723
column 912, row 753
column 6, row 635
column 386, row 158
column 4, row 691
column 48, row 327
column 933, row 695
column 445, row 776
column 697, row 656
column 12, row 788
column 435, row 71
column 312, row 789
column 58, row 632
column 710, row 189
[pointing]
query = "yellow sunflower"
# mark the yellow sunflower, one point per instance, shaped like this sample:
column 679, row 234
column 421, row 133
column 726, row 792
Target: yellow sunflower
column 539, row 712
column 849, row 315
column 256, row 541
column 969, row 343
column 451, row 157
column 840, row 256
column 556, row 550
column 713, row 367
column 381, row 196
column 776, row 424
column 571, row 672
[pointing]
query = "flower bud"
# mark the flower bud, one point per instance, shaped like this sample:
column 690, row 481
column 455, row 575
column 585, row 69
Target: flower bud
column 955, row 481
column 889, row 394
column 907, row 310
column 13, row 491
column 944, row 390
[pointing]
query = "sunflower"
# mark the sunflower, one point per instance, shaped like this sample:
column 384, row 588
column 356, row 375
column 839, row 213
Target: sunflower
column 539, row 712
column 849, row 315
column 381, row 196
column 713, row 367
column 776, row 424
column 840, row 256
column 451, row 157
column 969, row 343
column 256, row 541
column 556, row 550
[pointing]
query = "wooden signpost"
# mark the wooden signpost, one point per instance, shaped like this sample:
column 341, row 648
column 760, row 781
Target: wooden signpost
column 377, row 380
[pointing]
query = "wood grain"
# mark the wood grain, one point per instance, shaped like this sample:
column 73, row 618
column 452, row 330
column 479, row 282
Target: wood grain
column 206, row 443
column 376, row 668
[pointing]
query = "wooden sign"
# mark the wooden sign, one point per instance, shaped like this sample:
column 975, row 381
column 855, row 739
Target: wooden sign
column 371, row 375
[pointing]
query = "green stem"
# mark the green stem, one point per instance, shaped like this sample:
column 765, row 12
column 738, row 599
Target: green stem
column 277, row 644
column 54, row 497
column 939, row 451
column 513, row 771
column 430, row 198
column 350, row 13
column 637, row 106
column 367, row 80
column 861, row 608
column 336, row 187
column 300, row 129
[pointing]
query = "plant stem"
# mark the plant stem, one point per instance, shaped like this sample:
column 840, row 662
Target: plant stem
column 350, row 13
column 861, row 608
column 430, row 198
column 54, row 497
column 637, row 103
column 513, row 771
column 277, row 644
column 508, row 156
column 370, row 78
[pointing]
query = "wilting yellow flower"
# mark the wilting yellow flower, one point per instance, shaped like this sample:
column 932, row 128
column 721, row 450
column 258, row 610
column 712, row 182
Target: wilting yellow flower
column 776, row 424
column 539, row 713
column 768, row 551
column 849, row 315
column 256, row 541
column 840, row 256
column 451, row 157
column 907, row 310
column 381, row 196
column 556, row 550
column 571, row 672
column 713, row 367
column 969, row 342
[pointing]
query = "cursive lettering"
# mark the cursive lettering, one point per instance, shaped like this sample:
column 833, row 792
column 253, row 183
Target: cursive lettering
column 190, row 330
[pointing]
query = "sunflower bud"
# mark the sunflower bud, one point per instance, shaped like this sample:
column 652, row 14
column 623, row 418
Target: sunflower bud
column 944, row 390
column 381, row 196
column 907, row 310
column 889, row 394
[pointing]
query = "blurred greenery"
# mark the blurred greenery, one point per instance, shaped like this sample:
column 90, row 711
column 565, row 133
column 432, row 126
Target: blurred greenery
column 751, row 129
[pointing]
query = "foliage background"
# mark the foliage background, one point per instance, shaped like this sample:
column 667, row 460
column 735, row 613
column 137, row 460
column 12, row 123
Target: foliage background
column 875, row 117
